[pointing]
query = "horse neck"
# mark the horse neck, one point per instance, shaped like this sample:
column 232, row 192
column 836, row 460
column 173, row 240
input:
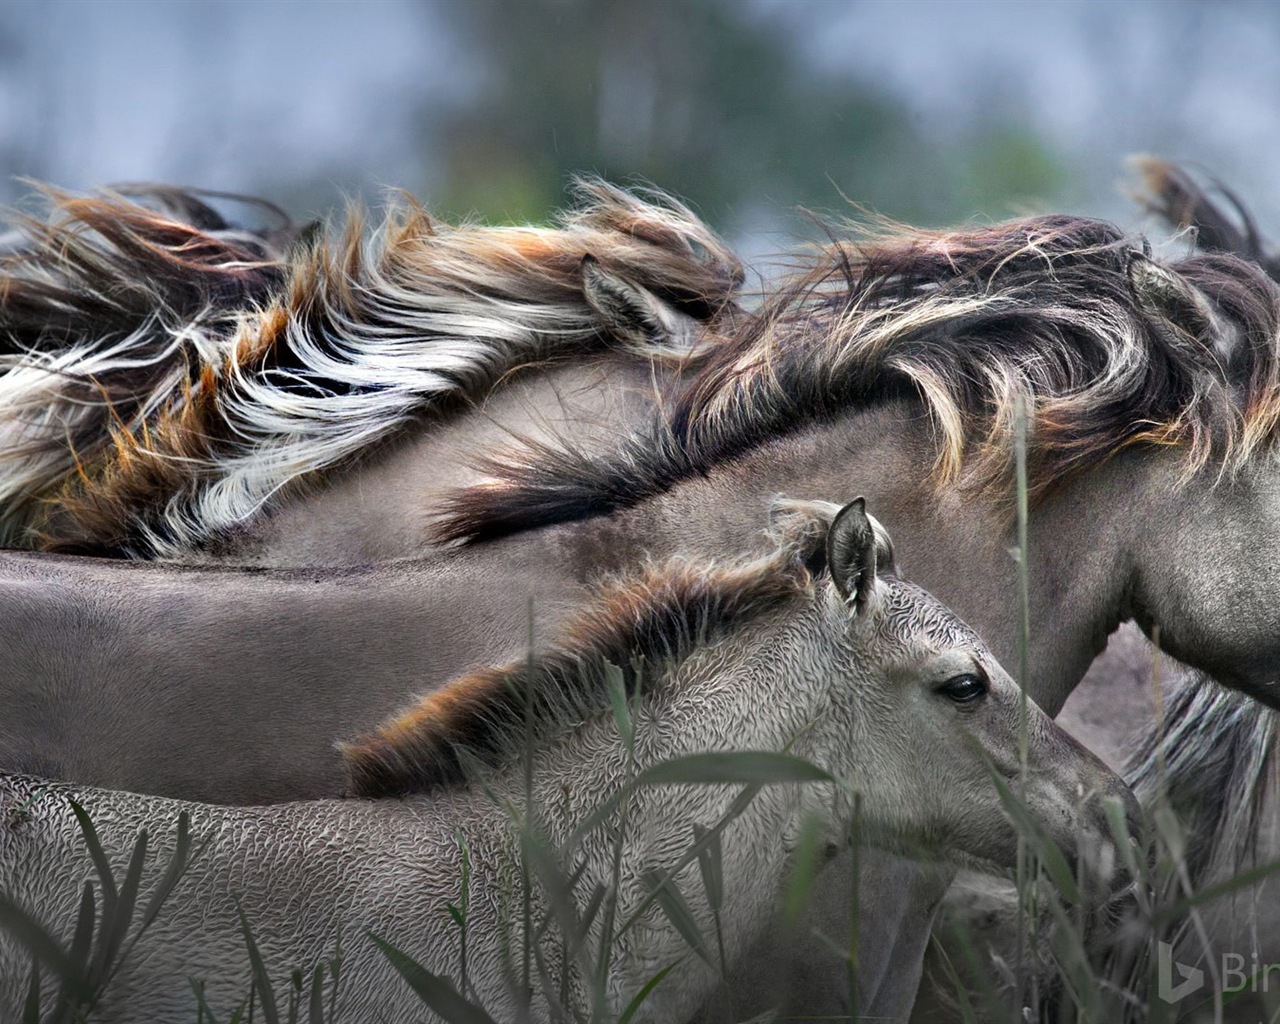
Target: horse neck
column 954, row 543
column 1206, row 572
column 381, row 509
column 715, row 698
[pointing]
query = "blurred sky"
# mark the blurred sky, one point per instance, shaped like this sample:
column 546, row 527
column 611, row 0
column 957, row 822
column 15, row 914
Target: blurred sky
column 967, row 109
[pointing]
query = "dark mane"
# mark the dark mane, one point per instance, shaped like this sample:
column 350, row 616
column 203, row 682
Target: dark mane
column 640, row 624
column 105, row 301
column 1106, row 347
column 168, row 379
column 124, row 261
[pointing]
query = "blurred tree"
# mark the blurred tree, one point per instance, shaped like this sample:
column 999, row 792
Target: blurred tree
column 710, row 99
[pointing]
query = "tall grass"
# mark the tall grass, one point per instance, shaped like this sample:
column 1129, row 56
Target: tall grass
column 1088, row 967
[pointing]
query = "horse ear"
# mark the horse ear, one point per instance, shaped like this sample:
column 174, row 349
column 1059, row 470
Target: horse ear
column 634, row 314
column 1166, row 297
column 851, row 555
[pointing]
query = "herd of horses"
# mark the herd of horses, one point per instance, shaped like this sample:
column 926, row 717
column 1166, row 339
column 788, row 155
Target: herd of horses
column 276, row 508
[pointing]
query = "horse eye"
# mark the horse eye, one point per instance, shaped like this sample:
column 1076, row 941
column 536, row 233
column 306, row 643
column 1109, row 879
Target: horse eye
column 964, row 689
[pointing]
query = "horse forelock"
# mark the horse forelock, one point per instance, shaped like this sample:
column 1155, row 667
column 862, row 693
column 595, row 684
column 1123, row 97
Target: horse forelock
column 640, row 626
column 1040, row 314
column 364, row 335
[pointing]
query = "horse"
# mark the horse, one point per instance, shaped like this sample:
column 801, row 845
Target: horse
column 893, row 365
column 1185, row 742
column 1180, row 739
column 1224, row 467
column 169, row 379
column 816, row 647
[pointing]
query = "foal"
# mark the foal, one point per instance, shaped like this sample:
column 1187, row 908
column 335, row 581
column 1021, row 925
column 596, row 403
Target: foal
column 816, row 648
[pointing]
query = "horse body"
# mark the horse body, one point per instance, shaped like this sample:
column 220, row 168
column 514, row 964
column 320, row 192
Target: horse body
column 1147, row 387
column 837, row 668
column 274, row 665
column 282, row 663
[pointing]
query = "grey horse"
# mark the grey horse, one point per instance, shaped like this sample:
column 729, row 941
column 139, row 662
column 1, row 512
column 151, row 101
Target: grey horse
column 758, row 654
column 889, row 363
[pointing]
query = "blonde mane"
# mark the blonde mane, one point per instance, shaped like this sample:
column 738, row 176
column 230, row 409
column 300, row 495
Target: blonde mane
column 231, row 373
column 1104, row 347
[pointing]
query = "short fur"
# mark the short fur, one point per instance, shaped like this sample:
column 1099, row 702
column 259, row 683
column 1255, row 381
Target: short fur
column 331, row 353
column 1105, row 347
column 832, row 684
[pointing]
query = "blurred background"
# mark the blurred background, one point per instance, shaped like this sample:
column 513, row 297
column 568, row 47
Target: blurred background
column 931, row 112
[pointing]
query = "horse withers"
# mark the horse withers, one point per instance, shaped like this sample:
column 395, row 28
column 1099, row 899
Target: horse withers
column 816, row 647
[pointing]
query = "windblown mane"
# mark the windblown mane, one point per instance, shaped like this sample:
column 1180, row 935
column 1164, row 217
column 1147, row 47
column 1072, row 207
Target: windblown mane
column 185, row 414
column 1106, row 348
column 105, row 304
column 1213, row 756
column 639, row 625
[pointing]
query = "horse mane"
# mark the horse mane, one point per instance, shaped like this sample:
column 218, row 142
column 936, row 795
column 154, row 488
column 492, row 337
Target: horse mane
column 1061, row 316
column 336, row 347
column 1211, row 756
column 643, row 624
column 1208, row 758
column 104, row 300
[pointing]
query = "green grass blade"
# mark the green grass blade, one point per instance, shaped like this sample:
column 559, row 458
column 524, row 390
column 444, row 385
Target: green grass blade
column 804, row 871
column 116, row 929
column 315, row 1005
column 1051, row 857
column 1118, row 822
column 78, row 991
column 100, row 863
column 178, row 864
column 86, row 917
column 261, row 980
column 740, row 804
column 436, row 993
column 589, row 913
column 616, row 686
column 202, row 1004
column 295, row 995
column 638, row 999
column 38, row 942
column 335, row 974
column 759, row 767
column 671, row 900
column 710, row 865
column 556, row 887
column 961, row 992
